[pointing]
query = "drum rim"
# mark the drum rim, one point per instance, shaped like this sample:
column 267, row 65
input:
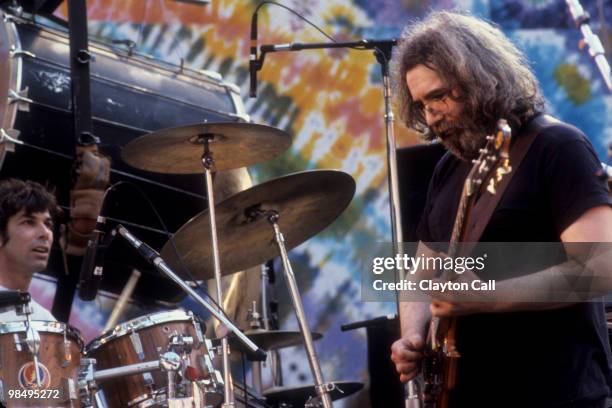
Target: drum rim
column 42, row 326
column 140, row 323
column 14, row 75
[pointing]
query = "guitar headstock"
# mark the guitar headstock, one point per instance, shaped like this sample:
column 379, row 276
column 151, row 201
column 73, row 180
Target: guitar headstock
column 493, row 162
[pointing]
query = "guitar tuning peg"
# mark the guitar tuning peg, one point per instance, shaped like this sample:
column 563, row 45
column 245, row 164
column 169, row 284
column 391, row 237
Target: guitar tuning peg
column 490, row 137
column 491, row 187
column 475, row 161
column 483, row 151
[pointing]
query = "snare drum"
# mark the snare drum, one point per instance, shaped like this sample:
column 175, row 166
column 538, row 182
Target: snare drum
column 144, row 339
column 59, row 359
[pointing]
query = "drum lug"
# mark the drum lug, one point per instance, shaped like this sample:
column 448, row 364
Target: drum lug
column 72, row 391
column 17, row 341
column 10, row 136
column 21, row 98
column 18, row 52
column 137, row 344
column 67, row 353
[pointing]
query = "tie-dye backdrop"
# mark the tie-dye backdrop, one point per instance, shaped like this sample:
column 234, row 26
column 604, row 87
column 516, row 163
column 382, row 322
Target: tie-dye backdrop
column 331, row 103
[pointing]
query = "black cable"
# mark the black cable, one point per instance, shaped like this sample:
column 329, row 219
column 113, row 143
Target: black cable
column 297, row 14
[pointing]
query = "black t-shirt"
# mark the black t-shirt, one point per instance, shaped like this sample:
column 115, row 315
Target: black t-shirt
column 537, row 358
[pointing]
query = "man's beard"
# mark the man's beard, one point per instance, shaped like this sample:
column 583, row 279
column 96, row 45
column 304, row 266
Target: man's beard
column 462, row 138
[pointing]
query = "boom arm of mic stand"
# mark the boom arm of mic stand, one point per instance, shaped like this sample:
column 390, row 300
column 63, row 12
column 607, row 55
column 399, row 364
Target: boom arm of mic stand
column 153, row 257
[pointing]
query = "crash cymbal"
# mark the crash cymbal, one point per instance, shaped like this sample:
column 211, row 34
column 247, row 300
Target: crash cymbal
column 297, row 396
column 271, row 339
column 306, row 202
column 179, row 150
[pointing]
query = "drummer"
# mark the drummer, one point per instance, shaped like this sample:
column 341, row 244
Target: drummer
column 26, row 236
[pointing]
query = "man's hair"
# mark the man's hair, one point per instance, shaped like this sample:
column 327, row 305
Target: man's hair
column 17, row 195
column 492, row 76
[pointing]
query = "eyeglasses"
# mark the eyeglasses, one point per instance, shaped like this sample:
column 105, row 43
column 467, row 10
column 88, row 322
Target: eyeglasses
column 435, row 102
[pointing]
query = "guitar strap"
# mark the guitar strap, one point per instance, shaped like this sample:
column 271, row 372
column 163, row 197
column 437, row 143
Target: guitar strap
column 486, row 204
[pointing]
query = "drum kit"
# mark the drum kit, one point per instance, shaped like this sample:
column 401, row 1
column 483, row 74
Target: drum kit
column 163, row 359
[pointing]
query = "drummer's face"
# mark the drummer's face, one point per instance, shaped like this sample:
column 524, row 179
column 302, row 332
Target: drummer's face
column 27, row 242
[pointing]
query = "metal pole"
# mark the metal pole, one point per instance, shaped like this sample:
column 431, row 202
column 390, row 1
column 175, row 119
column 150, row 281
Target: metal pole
column 321, row 387
column 208, row 162
column 161, row 266
column 411, row 393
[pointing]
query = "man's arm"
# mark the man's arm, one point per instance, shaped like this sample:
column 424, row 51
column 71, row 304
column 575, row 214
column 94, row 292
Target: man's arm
column 595, row 225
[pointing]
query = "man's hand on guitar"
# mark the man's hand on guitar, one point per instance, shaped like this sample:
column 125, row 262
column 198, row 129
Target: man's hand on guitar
column 406, row 354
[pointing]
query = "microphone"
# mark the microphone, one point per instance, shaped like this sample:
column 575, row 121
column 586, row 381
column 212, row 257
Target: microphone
column 253, row 57
column 92, row 267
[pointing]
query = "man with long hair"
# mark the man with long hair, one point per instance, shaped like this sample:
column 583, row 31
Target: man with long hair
column 26, row 236
column 456, row 77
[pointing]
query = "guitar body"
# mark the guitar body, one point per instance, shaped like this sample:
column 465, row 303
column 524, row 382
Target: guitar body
column 440, row 365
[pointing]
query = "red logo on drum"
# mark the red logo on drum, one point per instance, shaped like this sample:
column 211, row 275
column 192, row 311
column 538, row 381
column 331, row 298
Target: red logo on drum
column 27, row 376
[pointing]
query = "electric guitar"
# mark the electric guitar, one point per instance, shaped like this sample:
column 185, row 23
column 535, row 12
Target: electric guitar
column 439, row 366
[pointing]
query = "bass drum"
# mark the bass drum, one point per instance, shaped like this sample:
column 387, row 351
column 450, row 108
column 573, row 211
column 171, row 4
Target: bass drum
column 131, row 95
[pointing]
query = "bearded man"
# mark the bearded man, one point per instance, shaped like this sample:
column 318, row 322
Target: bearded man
column 457, row 76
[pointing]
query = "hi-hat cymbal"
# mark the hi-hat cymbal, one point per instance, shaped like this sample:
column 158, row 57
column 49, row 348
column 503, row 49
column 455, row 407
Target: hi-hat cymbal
column 271, row 339
column 306, row 202
column 179, row 150
column 298, row 396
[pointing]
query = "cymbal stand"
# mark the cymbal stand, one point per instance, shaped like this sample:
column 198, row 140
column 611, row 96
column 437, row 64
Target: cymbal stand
column 209, row 167
column 267, row 277
column 255, row 323
column 322, row 388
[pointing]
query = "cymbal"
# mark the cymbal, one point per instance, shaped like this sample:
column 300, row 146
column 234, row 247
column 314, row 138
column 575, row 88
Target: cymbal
column 306, row 202
column 271, row 339
column 179, row 150
column 297, row 396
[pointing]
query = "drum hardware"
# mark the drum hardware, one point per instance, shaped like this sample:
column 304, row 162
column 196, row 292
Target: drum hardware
column 67, row 353
column 322, row 388
column 23, row 102
column 17, row 342
column 255, row 323
column 32, row 340
column 10, row 298
column 270, row 340
column 15, row 52
column 5, row 136
column 301, row 396
column 153, row 257
column 267, row 276
column 137, row 344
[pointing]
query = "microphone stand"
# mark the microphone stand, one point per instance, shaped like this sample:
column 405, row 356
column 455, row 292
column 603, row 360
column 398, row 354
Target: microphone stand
column 382, row 51
column 596, row 49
